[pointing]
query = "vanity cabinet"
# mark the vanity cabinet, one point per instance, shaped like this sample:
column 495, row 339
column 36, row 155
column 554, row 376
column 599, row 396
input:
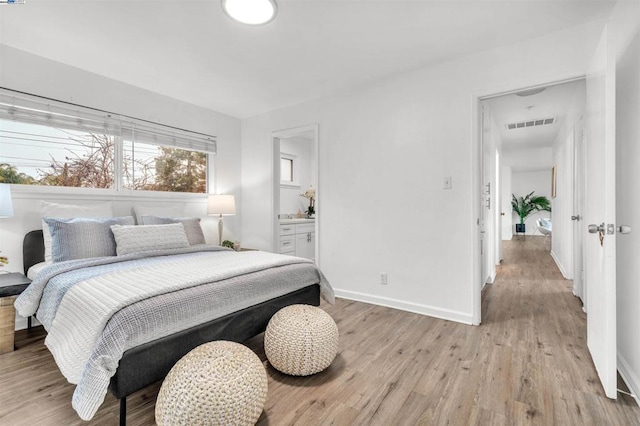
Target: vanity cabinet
column 298, row 240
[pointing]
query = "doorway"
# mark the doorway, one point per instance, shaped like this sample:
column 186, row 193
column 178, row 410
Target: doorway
column 527, row 146
column 295, row 190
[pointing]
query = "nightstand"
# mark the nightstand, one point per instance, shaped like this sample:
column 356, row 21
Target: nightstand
column 11, row 285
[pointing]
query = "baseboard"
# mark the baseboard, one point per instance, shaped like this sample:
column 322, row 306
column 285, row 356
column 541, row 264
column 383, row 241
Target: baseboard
column 406, row 306
column 21, row 322
column 629, row 377
column 559, row 265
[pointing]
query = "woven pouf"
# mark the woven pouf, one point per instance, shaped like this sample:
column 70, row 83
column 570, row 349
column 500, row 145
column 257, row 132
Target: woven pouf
column 218, row 383
column 301, row 340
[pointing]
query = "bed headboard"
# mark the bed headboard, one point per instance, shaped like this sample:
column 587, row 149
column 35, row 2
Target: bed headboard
column 32, row 249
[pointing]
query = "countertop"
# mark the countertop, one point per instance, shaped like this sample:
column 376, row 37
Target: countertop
column 293, row 221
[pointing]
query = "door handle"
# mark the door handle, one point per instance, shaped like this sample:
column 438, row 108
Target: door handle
column 502, row 214
column 624, row 229
column 594, row 229
column 576, row 217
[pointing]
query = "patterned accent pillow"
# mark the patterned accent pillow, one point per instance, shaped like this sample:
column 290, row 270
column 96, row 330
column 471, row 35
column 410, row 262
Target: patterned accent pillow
column 80, row 238
column 156, row 209
column 141, row 238
column 191, row 226
column 68, row 211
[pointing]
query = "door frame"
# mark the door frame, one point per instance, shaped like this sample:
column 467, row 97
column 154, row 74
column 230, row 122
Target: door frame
column 477, row 179
column 275, row 184
column 578, row 189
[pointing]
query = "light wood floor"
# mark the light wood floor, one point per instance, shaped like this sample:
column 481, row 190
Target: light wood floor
column 526, row 364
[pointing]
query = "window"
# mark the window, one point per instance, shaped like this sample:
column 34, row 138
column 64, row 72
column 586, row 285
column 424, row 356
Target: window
column 33, row 154
column 288, row 170
column 50, row 143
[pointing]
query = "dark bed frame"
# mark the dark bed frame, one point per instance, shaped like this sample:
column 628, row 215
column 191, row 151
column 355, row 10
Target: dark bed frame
column 146, row 364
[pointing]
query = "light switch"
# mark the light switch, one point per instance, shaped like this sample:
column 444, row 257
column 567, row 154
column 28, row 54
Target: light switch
column 447, row 182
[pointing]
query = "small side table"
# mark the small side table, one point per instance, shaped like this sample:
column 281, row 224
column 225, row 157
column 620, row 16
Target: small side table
column 11, row 285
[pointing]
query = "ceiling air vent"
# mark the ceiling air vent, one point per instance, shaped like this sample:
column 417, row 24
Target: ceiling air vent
column 531, row 123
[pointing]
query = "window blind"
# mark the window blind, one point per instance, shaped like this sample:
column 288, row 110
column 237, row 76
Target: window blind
column 38, row 110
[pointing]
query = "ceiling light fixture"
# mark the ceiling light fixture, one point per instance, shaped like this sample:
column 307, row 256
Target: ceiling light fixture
column 531, row 92
column 251, row 12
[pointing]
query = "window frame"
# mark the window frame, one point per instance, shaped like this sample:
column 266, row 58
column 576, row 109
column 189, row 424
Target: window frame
column 117, row 191
column 294, row 182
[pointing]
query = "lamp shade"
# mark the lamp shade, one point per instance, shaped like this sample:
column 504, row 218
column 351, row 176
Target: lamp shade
column 6, row 205
column 221, row 204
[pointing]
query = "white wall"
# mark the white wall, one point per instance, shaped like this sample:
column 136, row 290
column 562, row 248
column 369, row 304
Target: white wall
column 625, row 25
column 562, row 205
column 25, row 72
column 523, row 183
column 528, row 159
column 304, row 150
column 384, row 152
column 524, row 164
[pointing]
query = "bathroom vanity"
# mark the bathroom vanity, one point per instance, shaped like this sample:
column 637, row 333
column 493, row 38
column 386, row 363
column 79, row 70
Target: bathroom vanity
column 298, row 237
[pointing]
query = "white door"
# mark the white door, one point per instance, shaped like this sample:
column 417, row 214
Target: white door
column 578, row 210
column 488, row 197
column 600, row 247
column 484, row 203
column 498, row 203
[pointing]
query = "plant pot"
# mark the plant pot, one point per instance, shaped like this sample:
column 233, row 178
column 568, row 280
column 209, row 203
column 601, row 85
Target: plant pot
column 520, row 227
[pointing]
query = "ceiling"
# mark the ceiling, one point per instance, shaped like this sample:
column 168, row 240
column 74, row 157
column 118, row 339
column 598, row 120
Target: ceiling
column 190, row 50
column 553, row 102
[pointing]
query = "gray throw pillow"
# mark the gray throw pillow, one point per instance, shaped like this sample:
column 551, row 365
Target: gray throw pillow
column 191, row 226
column 80, row 238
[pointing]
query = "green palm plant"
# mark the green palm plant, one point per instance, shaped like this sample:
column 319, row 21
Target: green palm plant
column 525, row 206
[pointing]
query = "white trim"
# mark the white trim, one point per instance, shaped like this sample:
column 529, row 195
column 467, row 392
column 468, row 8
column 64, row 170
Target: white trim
column 21, row 322
column 477, row 280
column 562, row 270
column 476, row 177
column 445, row 314
column 275, row 179
column 293, row 183
column 72, row 193
column 629, row 377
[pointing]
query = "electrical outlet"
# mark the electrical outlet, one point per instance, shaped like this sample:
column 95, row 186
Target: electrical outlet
column 383, row 278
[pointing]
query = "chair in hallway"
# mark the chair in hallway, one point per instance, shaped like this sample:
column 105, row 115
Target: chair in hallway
column 543, row 226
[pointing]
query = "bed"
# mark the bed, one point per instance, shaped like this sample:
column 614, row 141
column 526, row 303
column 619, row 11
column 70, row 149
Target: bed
column 148, row 361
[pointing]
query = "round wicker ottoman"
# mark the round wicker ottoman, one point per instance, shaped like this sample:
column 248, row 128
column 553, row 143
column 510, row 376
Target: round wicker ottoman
column 301, row 340
column 218, row 383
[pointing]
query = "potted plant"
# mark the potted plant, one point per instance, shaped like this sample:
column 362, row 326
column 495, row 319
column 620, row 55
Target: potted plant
column 310, row 194
column 527, row 205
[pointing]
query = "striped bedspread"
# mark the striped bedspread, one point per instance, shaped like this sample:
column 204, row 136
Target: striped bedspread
column 95, row 309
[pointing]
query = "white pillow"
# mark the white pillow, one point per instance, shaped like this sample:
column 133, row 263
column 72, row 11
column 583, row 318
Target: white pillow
column 67, row 211
column 157, row 209
column 141, row 238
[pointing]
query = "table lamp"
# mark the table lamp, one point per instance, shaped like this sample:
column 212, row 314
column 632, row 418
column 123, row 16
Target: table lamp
column 223, row 205
column 6, row 210
column 6, row 205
